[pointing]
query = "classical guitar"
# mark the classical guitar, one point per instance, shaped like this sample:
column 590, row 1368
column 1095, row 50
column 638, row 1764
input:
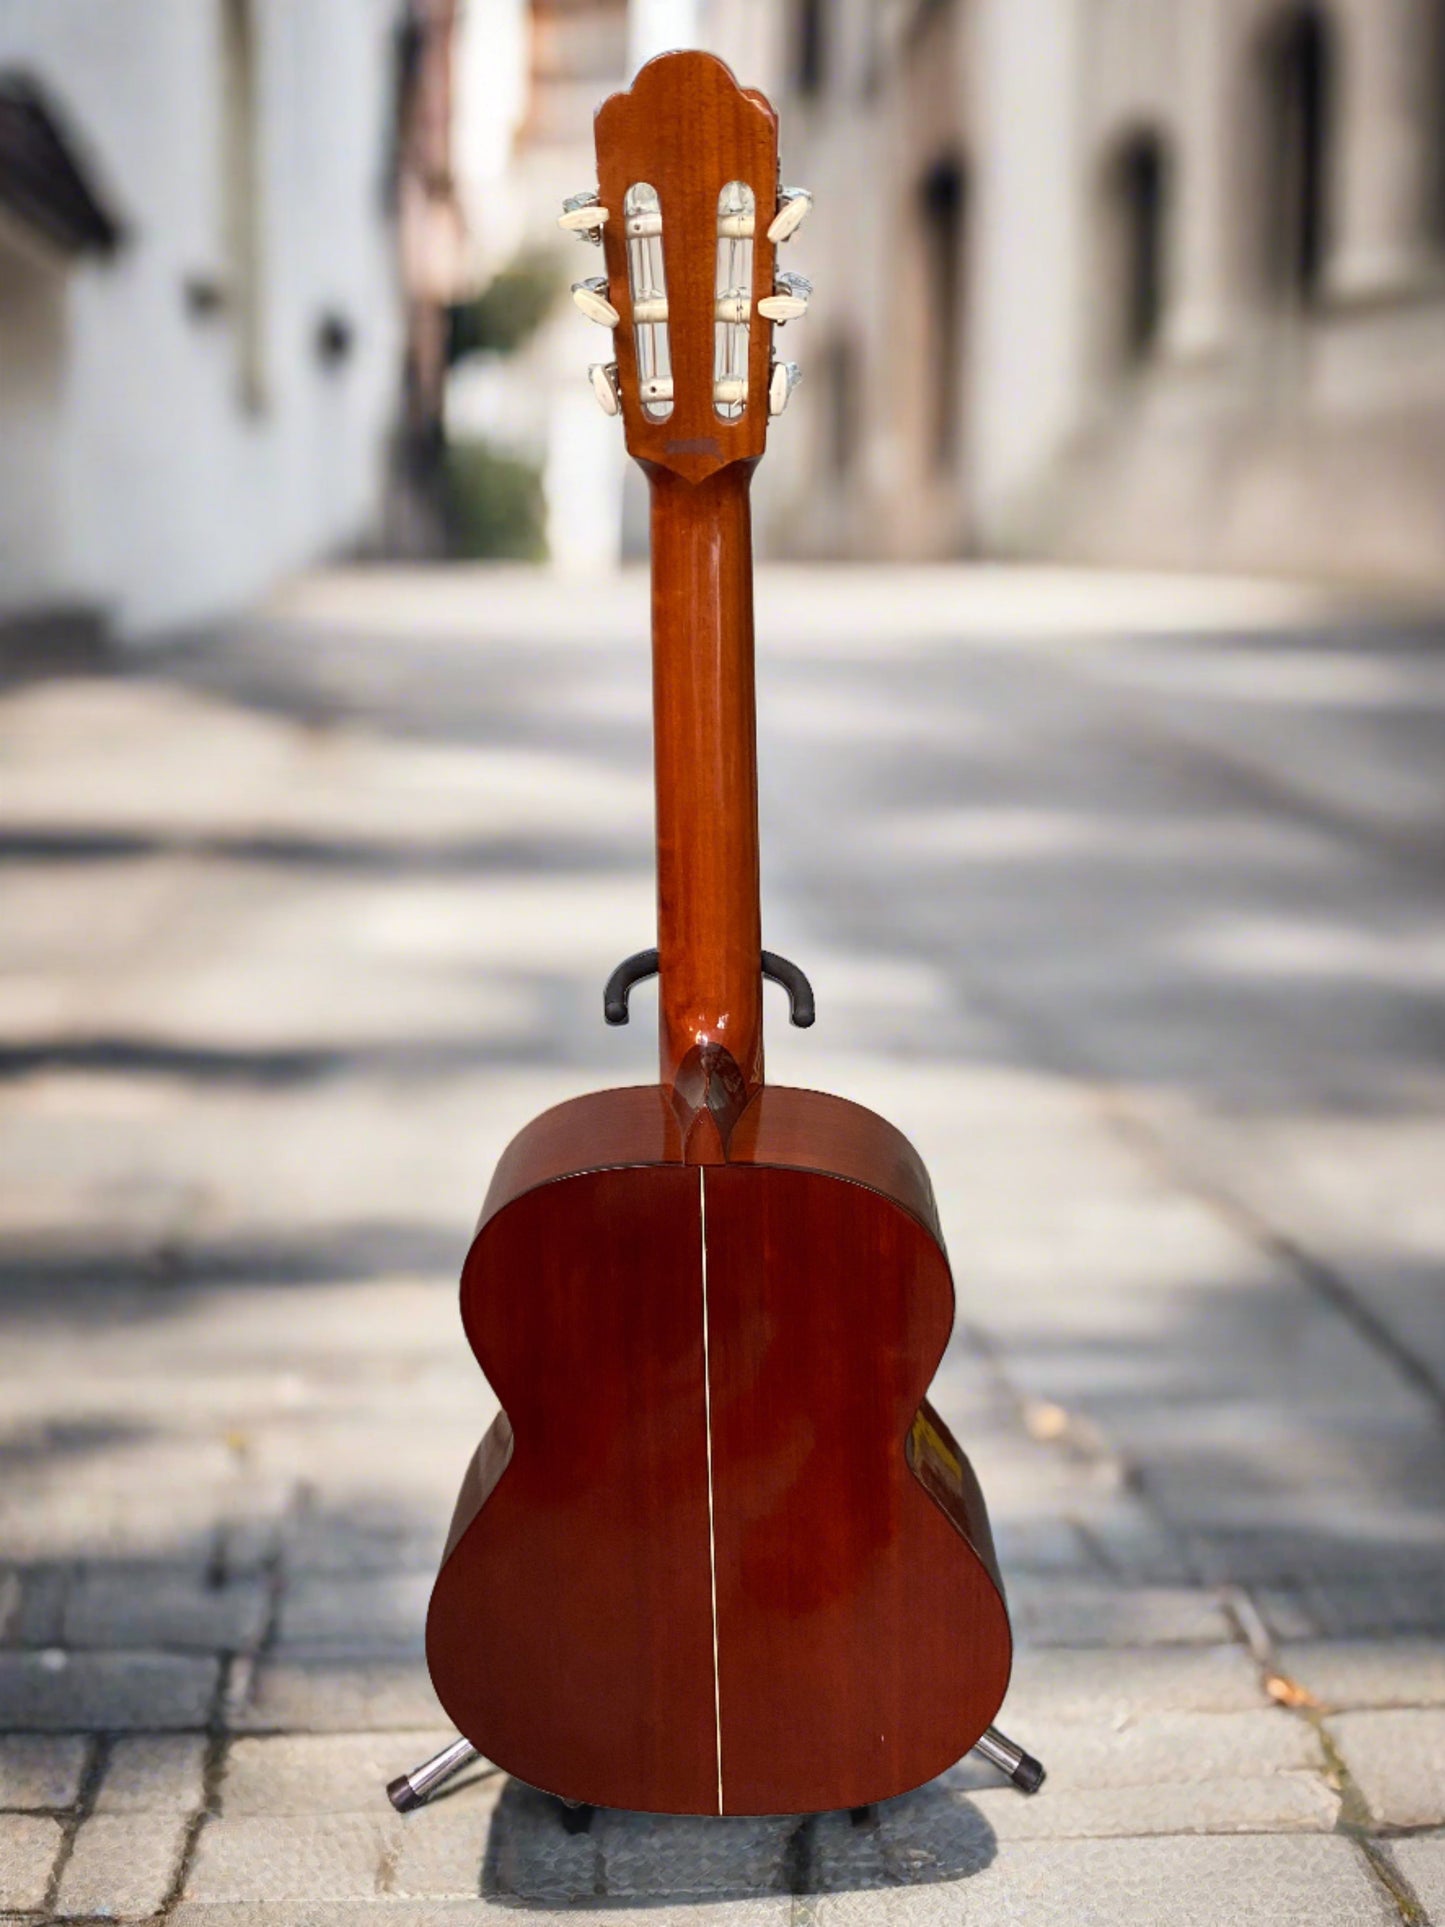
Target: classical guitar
column 717, row 1555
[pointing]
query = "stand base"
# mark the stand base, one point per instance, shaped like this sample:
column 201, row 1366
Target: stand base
column 414, row 1789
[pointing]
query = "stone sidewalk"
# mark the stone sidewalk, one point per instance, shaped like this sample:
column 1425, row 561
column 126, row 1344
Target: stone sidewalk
column 1122, row 900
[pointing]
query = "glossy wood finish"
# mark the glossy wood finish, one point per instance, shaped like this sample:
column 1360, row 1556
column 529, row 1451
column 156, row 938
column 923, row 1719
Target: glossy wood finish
column 688, row 129
column 709, row 925
column 863, row 1644
column 570, row 1629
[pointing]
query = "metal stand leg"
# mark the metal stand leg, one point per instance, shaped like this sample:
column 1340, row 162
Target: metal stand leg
column 414, row 1789
column 1022, row 1768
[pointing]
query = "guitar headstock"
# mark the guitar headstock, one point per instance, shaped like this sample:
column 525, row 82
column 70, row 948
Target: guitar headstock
column 690, row 214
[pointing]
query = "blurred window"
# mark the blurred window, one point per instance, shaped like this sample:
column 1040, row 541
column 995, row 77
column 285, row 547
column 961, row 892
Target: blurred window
column 941, row 204
column 1137, row 195
column 1432, row 94
column 841, row 378
column 1298, row 68
column 811, row 45
column 241, row 191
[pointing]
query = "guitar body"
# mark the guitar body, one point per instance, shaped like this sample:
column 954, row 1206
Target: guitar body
column 717, row 1556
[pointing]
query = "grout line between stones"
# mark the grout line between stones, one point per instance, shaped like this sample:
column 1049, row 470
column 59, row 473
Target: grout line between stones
column 1353, row 1821
column 72, row 1822
column 234, row 1666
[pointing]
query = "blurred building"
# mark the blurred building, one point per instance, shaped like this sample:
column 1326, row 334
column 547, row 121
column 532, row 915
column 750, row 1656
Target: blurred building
column 1149, row 281
column 1156, row 282
column 201, row 322
column 435, row 267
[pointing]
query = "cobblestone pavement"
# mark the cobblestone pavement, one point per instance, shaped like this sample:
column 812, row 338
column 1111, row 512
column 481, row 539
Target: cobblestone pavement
column 1124, row 903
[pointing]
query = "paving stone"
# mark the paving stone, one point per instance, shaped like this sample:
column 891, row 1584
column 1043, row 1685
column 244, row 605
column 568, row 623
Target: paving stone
column 338, row 1856
column 154, row 1773
column 1351, row 1608
column 531, row 1857
column 41, row 1771
column 122, row 1865
column 646, row 1856
column 1397, row 1760
column 1038, row 1545
column 1302, row 1880
column 151, row 1608
column 342, row 1696
column 35, row 1597
column 1098, row 1685
column 1282, row 1803
column 1422, row 1862
column 928, row 1836
column 1178, row 1748
column 346, row 1544
column 28, row 1847
column 1090, row 1613
column 340, row 1772
column 1363, row 1673
column 1276, row 1555
column 52, row 1691
column 776, row 1911
column 1130, row 1541
column 355, row 1613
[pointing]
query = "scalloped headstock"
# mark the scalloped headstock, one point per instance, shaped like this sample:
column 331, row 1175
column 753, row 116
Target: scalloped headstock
column 687, row 171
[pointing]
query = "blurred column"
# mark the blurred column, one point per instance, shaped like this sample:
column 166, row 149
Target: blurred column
column 1028, row 374
column 582, row 482
column 656, row 26
column 1202, row 272
column 1380, row 184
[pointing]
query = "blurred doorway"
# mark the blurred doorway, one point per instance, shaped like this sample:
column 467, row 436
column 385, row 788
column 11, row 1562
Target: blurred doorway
column 1297, row 71
column 32, row 371
column 1136, row 215
column 943, row 209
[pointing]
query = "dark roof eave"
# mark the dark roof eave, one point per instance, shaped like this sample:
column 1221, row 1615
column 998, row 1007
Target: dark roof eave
column 43, row 182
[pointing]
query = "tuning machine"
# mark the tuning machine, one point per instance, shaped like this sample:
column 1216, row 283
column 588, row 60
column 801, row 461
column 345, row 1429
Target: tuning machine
column 591, row 297
column 603, row 377
column 784, row 379
column 789, row 298
column 794, row 206
column 584, row 216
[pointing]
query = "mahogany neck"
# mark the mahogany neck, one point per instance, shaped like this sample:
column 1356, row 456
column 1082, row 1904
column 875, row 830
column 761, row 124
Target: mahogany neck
column 709, row 923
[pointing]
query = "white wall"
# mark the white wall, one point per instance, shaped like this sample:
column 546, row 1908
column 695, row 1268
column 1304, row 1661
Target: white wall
column 176, row 502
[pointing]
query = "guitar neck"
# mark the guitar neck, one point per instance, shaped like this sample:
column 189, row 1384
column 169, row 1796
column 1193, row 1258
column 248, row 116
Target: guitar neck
column 709, row 923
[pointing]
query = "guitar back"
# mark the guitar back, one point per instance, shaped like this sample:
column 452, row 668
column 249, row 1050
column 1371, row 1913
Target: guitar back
column 718, row 1556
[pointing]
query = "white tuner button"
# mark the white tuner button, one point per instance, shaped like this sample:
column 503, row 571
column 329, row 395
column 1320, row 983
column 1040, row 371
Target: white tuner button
column 794, row 204
column 789, row 298
column 582, row 216
column 591, row 298
column 603, row 376
column 784, row 379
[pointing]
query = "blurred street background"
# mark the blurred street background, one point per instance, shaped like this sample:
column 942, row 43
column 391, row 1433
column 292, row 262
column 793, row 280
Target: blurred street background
column 1102, row 733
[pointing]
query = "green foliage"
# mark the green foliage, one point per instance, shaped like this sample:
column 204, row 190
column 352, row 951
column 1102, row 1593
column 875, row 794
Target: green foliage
column 495, row 506
column 508, row 310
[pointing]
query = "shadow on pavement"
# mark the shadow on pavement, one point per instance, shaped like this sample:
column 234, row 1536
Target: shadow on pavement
column 537, row 1856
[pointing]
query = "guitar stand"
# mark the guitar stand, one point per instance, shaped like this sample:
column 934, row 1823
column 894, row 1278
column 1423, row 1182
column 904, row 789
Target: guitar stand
column 414, row 1789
